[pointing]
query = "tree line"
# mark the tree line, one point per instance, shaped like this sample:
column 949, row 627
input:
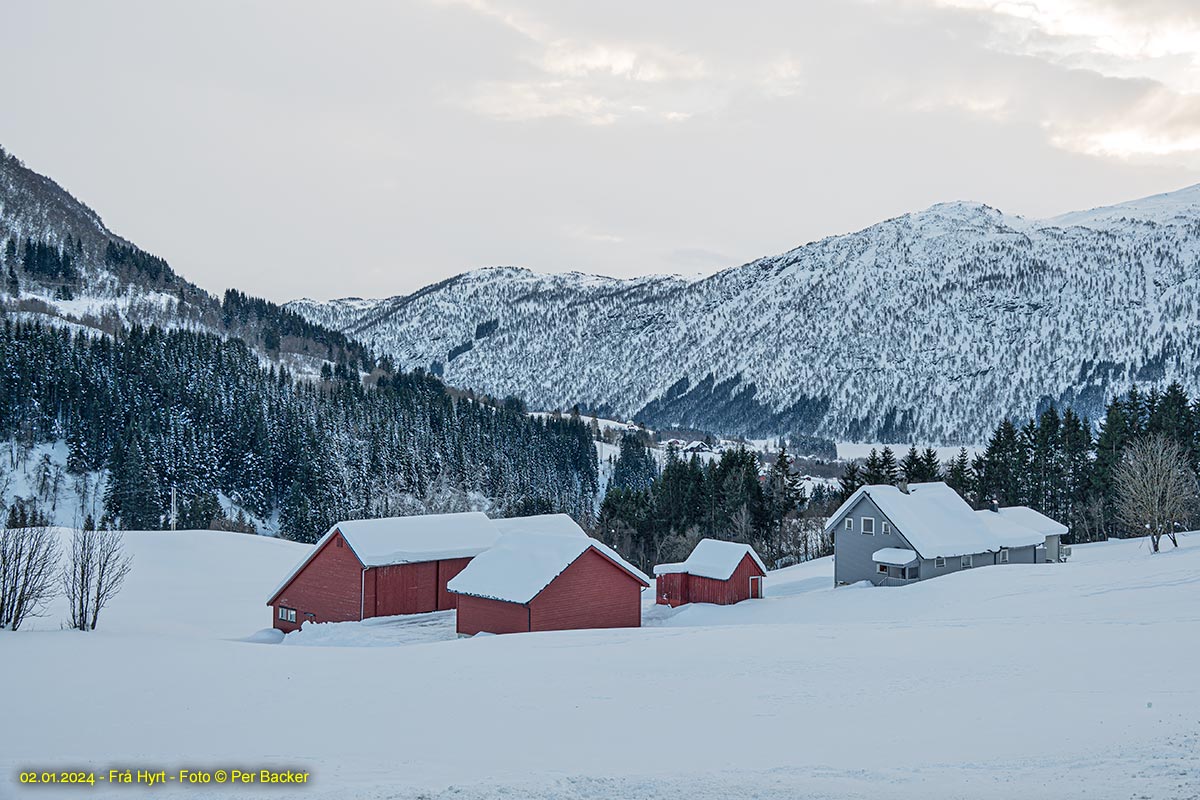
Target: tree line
column 153, row 411
column 1056, row 463
column 654, row 515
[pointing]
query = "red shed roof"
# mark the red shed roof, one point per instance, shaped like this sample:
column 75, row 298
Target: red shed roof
column 520, row 566
column 714, row 559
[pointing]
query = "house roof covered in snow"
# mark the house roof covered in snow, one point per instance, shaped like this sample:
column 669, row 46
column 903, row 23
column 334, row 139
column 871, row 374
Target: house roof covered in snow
column 936, row 521
column 714, row 559
column 521, row 565
column 896, row 556
column 1034, row 520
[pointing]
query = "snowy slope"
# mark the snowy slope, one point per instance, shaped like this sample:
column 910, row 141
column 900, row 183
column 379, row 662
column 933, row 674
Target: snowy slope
column 930, row 326
column 1046, row 681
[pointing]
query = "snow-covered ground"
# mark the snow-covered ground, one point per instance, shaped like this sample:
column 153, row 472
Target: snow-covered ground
column 1073, row 680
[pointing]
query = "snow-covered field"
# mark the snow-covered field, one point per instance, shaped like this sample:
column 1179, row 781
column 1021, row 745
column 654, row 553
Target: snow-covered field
column 1076, row 680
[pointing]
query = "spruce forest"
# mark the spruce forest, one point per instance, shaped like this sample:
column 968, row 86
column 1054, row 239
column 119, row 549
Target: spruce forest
column 199, row 413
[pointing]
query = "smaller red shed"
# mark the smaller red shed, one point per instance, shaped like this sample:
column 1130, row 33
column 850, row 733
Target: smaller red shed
column 716, row 572
column 548, row 583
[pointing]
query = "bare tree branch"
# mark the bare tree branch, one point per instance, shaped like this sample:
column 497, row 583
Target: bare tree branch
column 28, row 557
column 1156, row 489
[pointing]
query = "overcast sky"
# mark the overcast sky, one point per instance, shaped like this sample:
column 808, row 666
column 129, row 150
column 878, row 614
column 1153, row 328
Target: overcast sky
column 328, row 149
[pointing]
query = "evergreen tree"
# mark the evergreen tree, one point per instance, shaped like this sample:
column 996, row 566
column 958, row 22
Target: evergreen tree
column 889, row 468
column 849, row 482
column 959, row 475
column 1115, row 433
column 910, row 465
column 636, row 468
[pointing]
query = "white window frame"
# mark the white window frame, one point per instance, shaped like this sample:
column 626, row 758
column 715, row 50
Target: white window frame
column 287, row 614
column 291, row 615
column 967, row 562
column 282, row 614
column 1003, row 555
column 885, row 528
column 882, row 569
column 940, row 562
column 863, row 525
column 849, row 523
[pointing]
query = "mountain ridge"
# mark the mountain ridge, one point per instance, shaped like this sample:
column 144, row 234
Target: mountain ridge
column 932, row 325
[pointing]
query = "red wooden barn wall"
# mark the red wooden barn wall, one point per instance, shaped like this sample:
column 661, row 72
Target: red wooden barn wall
column 477, row 614
column 681, row 588
column 591, row 593
column 671, row 589
column 333, row 588
column 404, row 589
column 447, row 569
column 328, row 587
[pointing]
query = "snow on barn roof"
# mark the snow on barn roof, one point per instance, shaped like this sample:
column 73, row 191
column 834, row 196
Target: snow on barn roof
column 553, row 524
column 407, row 540
column 895, row 556
column 714, row 559
column 427, row 537
column 520, row 566
column 939, row 523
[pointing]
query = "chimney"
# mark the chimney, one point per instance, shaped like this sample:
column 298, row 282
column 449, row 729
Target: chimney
column 902, row 486
column 994, row 505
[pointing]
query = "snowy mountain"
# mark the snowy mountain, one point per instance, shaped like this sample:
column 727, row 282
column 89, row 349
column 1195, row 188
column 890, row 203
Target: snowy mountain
column 60, row 264
column 931, row 326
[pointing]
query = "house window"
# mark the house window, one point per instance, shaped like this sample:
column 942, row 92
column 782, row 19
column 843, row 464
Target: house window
column 287, row 614
column 1003, row 555
column 939, row 562
column 868, row 526
column 966, row 562
column 339, row 542
column 910, row 573
column 886, row 527
column 882, row 569
column 849, row 523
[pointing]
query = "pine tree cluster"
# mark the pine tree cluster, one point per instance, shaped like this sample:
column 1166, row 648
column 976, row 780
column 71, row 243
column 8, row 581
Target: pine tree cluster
column 654, row 517
column 201, row 414
column 1053, row 463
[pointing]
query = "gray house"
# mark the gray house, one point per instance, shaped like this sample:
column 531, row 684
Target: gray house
column 893, row 535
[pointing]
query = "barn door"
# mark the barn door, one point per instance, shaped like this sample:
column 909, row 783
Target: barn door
column 756, row 586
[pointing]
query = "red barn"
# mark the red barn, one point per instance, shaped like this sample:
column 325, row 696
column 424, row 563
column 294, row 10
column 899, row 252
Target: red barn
column 548, row 583
column 716, row 572
column 381, row 567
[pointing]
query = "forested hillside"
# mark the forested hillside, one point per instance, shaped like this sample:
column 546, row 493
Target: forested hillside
column 927, row 327
column 155, row 410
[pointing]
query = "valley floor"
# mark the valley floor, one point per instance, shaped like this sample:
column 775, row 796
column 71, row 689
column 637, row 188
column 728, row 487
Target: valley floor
column 1075, row 680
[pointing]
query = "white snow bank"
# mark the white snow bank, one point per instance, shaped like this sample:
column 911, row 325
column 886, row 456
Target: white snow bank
column 1032, row 684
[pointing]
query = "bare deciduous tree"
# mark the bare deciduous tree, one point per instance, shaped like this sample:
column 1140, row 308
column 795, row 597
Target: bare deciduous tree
column 1156, row 489
column 93, row 575
column 28, row 558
